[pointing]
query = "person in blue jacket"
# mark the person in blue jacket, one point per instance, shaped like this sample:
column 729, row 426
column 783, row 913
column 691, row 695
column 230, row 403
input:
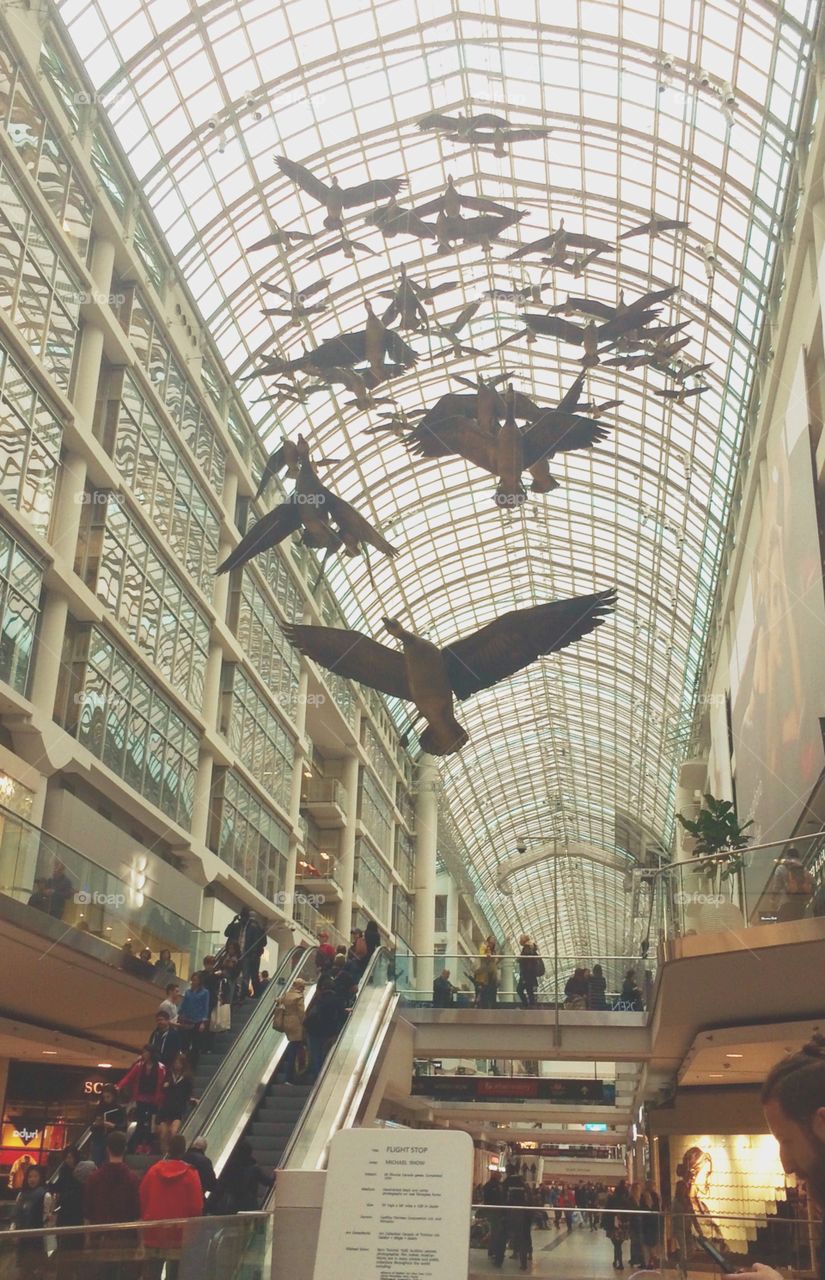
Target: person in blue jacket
column 193, row 1018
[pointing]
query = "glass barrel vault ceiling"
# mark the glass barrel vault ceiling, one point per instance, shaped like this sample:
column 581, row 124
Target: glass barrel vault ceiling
column 203, row 95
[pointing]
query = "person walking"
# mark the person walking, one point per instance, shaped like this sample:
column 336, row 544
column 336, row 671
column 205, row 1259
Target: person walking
column 143, row 1083
column 528, row 980
column 636, row 1223
column 651, row 1225
column 617, row 1223
column 107, row 1117
column 492, row 1195
column 69, row 1191
column 323, row 1021
column 176, row 1099
column 516, row 1200
column 32, row 1210
column 289, row 1017
column 443, row 991
column 165, row 1040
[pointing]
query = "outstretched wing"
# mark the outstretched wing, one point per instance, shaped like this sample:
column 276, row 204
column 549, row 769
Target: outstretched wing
column 348, row 519
column 352, row 654
column 304, row 179
column 556, row 432
column 268, row 532
column 572, row 395
column 274, row 462
column 436, row 121
column 372, row 192
column 552, row 326
column 399, row 351
column 307, row 290
column 487, row 121
column 516, row 639
column 457, row 436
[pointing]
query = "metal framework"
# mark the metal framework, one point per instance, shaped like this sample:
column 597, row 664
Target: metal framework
column 688, row 107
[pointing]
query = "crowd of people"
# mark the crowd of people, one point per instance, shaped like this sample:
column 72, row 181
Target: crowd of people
column 513, row 1206
column 312, row 1029
column 584, row 989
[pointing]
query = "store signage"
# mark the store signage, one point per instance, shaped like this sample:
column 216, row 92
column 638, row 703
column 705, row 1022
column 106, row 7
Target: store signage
column 390, row 1206
column 514, row 1089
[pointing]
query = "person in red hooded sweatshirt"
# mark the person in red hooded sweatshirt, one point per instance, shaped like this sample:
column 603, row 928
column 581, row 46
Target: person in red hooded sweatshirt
column 169, row 1189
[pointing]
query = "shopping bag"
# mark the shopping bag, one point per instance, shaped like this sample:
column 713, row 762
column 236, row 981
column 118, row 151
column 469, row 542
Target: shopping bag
column 221, row 1019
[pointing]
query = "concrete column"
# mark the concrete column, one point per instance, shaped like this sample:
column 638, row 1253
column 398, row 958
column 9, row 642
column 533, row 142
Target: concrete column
column 201, row 798
column 346, row 860
column 452, row 924
column 426, row 846
column 49, row 652
column 220, row 586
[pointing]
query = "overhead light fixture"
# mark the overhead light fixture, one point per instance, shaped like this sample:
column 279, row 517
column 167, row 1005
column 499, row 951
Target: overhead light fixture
column 734, row 1055
column 716, row 1075
column 50, row 1052
column 104, row 1064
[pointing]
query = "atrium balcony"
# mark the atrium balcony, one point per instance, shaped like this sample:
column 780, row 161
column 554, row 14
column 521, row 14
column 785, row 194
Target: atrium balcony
column 324, row 800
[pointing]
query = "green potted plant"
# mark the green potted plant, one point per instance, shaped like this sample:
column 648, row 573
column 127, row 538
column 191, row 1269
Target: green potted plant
column 717, row 831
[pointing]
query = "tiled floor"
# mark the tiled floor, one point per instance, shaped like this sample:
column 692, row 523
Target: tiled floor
column 580, row 1255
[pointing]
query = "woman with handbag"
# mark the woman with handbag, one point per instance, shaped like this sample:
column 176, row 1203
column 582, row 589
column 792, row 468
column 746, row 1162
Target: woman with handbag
column 289, row 1018
column 617, row 1224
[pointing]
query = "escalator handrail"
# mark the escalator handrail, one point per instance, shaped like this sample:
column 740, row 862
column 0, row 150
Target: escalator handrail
column 200, row 1118
column 327, row 1065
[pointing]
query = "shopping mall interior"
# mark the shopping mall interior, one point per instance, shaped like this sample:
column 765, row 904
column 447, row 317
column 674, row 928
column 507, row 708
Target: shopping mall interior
column 412, row 530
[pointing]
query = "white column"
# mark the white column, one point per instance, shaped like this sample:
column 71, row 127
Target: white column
column 346, row 860
column 426, row 847
column 452, row 925
column 202, row 797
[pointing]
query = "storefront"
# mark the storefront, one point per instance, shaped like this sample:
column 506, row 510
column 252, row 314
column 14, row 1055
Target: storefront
column 45, row 1109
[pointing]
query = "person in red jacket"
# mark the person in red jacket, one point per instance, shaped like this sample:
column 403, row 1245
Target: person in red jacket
column 143, row 1083
column 170, row 1189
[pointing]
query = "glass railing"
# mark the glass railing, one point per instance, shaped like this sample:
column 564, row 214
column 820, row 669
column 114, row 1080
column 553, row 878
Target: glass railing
column 333, row 1103
column 561, row 1237
column 584, row 983
column 222, row 1248
column 86, row 906
column 238, row 1084
column 765, row 884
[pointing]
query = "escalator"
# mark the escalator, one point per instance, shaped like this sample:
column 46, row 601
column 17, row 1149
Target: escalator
column 242, row 1100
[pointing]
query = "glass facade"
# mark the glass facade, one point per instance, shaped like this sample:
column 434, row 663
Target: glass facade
column 39, row 291
column 21, row 579
column 375, row 812
column 124, row 720
column 371, row 882
column 377, row 756
column 257, row 628
column 30, row 438
column 403, row 914
column 404, row 855
column 257, row 736
column 41, row 150
column 247, row 835
column 118, row 562
column 151, row 465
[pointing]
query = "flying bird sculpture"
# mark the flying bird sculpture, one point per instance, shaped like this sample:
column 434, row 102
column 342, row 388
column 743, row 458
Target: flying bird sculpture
column 279, row 238
column 392, row 219
column 654, row 227
column 483, row 229
column 333, row 196
column 460, row 126
column 343, row 351
column 330, row 524
column 451, row 331
column 431, row 677
column 298, row 307
column 346, row 246
column 559, row 243
column 451, row 202
column 407, row 301
column 592, row 337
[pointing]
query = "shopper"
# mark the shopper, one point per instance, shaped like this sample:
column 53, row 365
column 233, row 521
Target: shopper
column 443, row 991
column 165, row 965
column 170, row 1188
column 203, row 1166
column 238, row 1185
column 651, row 1225
column 518, row 1229
column 68, row 1190
column 575, row 990
column 32, row 1211
column 171, row 1004
column 176, row 1100
column 289, row 1018
column 630, row 997
column 111, row 1192
column 617, row 1223
column 528, row 979
column 636, row 1222
column 597, row 989
column 358, row 954
column 372, row 938
column 792, row 887
column 143, row 1083
column 107, row 1117
column 250, row 939
column 165, row 1040
column 61, row 889
column 323, row 1021
column 324, row 953
column 487, row 974
column 193, row 1019
column 492, row 1194
column 41, row 898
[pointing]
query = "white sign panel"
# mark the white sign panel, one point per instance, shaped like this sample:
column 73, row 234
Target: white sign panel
column 396, row 1206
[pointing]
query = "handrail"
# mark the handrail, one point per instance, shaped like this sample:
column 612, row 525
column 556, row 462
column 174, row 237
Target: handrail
column 381, row 955
column 669, row 867
column 200, row 1118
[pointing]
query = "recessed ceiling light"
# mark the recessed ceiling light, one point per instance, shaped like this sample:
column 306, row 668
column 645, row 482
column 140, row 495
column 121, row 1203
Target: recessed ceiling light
column 716, row 1075
column 734, row 1055
column 53, row 1052
column 104, row 1064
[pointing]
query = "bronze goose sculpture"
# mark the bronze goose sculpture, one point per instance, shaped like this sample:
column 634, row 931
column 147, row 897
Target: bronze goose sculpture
column 431, row 677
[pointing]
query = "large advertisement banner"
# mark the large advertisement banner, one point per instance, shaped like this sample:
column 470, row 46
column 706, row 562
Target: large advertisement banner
column 778, row 693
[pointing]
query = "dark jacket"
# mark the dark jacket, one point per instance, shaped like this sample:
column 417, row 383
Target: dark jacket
column 111, row 1194
column 372, row 937
column 28, row 1209
column 443, row 993
column 325, row 1015
column 240, row 1180
column 596, row 990
column 69, row 1198
column 493, row 1192
column 204, row 1168
column 165, row 1045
